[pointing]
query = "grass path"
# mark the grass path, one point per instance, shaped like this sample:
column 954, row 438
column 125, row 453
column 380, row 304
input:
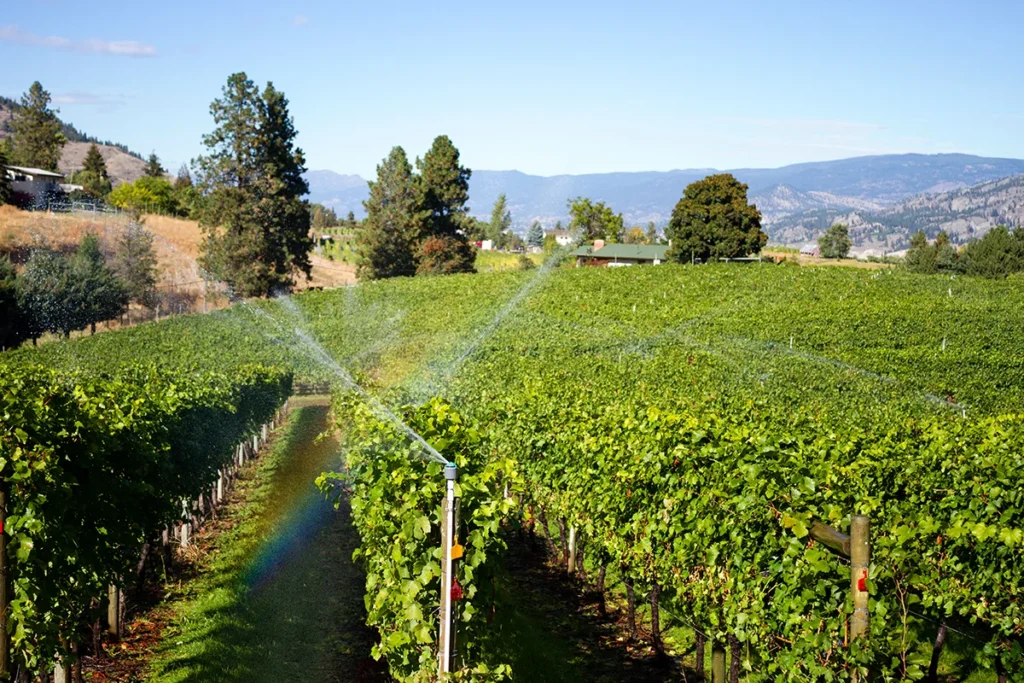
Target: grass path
column 278, row 597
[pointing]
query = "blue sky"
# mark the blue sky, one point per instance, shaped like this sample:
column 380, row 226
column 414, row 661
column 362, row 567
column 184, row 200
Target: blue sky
column 542, row 87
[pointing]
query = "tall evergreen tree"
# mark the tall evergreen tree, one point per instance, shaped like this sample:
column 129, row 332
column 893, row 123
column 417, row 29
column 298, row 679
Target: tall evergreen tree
column 443, row 190
column 501, row 220
column 37, row 136
column 920, row 256
column 135, row 263
column 387, row 243
column 94, row 162
column 651, row 234
column 255, row 222
column 153, row 168
column 184, row 178
column 6, row 193
column 535, row 235
column 98, row 292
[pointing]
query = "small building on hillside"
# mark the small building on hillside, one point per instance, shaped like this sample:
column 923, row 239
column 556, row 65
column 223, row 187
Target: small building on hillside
column 34, row 183
column 563, row 238
column 617, row 255
column 810, row 249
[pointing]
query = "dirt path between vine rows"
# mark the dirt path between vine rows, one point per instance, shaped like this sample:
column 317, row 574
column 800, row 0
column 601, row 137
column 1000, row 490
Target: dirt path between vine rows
column 278, row 597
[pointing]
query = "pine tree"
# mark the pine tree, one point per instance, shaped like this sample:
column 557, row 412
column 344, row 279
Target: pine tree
column 501, row 220
column 37, row 136
column 94, row 162
column 443, row 188
column 442, row 193
column 255, row 222
column 388, row 241
column 920, row 256
column 153, row 168
column 6, row 192
column 535, row 235
column 651, row 235
column 184, row 178
column 135, row 263
column 99, row 293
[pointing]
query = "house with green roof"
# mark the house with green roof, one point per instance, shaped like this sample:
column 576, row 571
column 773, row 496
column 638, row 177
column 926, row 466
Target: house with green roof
column 617, row 255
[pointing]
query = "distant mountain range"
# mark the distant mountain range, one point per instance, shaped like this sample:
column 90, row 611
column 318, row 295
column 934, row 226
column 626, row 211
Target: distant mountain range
column 861, row 184
column 884, row 199
column 964, row 214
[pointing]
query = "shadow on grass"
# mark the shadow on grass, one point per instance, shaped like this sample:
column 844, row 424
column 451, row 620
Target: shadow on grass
column 279, row 598
column 548, row 630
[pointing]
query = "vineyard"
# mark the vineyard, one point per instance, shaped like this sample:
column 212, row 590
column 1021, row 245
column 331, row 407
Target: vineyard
column 684, row 428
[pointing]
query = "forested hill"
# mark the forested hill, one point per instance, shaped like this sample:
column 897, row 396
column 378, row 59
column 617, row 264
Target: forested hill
column 963, row 213
column 123, row 164
column 862, row 183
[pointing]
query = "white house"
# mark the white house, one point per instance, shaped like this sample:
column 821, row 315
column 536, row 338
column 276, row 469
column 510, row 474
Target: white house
column 34, row 182
column 810, row 249
column 563, row 238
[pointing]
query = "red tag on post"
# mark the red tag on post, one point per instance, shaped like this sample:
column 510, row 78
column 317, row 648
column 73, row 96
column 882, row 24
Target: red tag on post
column 456, row 591
column 862, row 582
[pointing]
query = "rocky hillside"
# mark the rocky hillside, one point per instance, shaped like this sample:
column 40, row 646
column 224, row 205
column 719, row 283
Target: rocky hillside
column 123, row 165
column 783, row 200
column 963, row 213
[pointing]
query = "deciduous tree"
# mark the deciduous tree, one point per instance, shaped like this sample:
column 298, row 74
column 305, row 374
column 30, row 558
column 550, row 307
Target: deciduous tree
column 444, row 255
column 37, row 139
column 46, row 297
column 389, row 239
column 594, row 220
column 713, row 219
column 835, row 242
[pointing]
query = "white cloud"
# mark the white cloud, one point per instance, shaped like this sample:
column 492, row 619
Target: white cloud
column 89, row 99
column 129, row 48
column 300, row 20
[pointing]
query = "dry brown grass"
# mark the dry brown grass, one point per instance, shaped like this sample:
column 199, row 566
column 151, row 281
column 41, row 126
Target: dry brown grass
column 804, row 260
column 177, row 244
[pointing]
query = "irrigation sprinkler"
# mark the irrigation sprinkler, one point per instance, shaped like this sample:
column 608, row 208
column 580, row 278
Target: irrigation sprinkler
column 450, row 591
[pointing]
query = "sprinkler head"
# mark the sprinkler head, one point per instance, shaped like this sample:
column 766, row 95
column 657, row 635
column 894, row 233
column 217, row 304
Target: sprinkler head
column 450, row 471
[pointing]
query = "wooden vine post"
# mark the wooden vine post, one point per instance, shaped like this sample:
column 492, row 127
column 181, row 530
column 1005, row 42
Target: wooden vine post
column 114, row 611
column 860, row 561
column 571, row 564
column 717, row 663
